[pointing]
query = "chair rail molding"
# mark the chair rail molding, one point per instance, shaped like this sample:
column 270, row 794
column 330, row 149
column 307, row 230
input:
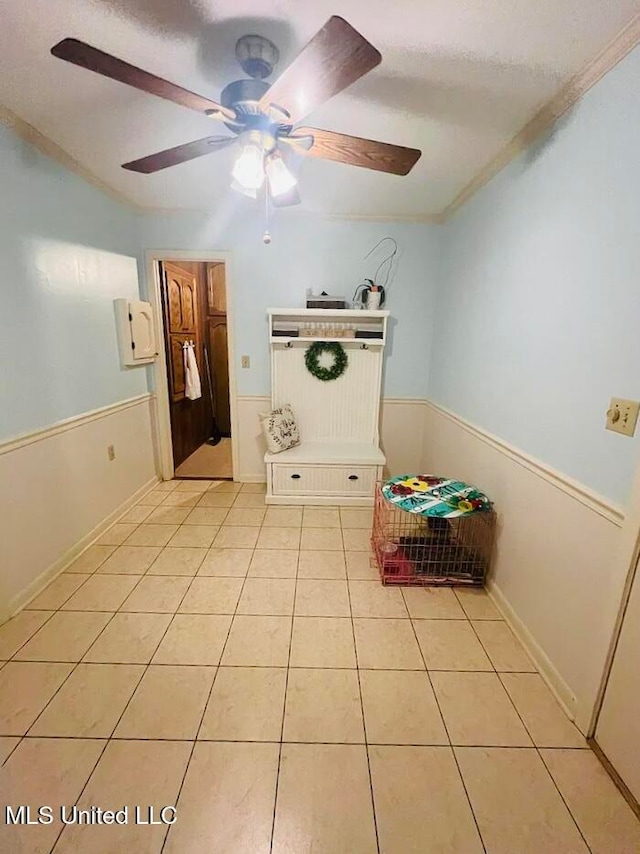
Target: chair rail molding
column 591, row 499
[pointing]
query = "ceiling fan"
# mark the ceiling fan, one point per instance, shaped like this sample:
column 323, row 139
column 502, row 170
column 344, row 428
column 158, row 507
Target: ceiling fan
column 263, row 117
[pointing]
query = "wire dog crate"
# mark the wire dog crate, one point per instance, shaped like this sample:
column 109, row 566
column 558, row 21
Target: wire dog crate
column 410, row 548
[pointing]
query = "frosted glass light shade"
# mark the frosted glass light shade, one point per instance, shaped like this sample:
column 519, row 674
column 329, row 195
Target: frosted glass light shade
column 248, row 169
column 280, row 178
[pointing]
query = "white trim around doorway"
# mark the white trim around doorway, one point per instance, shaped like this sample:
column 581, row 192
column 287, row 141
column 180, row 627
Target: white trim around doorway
column 159, row 368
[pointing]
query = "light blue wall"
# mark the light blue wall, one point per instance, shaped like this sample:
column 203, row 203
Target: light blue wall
column 58, row 346
column 314, row 252
column 539, row 299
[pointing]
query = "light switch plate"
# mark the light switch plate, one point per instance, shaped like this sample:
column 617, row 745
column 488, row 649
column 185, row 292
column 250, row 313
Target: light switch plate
column 245, row 362
column 622, row 416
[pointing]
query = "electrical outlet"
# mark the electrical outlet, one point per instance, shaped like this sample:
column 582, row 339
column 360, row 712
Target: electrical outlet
column 622, row 416
column 111, row 452
column 245, row 362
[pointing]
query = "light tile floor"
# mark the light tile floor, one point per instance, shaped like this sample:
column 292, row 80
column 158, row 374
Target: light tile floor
column 244, row 664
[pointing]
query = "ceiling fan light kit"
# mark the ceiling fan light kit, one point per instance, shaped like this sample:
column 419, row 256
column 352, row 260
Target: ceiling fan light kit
column 263, row 116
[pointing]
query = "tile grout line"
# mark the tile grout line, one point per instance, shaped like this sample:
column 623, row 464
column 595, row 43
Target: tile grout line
column 60, row 608
column 110, row 737
column 217, row 669
column 277, row 666
column 568, row 808
column 538, row 750
column 446, row 729
column 296, row 741
column 75, row 664
column 534, row 746
column 204, row 708
column 268, row 578
column 284, row 705
column 107, row 739
column 55, row 610
column 246, row 575
column 79, row 795
column 364, row 725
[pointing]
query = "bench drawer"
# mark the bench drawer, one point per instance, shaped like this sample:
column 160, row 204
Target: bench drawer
column 323, row 479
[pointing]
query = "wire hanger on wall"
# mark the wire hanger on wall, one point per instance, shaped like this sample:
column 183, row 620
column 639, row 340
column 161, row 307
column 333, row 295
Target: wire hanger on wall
column 384, row 286
column 388, row 260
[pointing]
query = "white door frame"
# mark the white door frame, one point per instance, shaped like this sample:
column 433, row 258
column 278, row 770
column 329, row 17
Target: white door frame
column 627, row 556
column 162, row 426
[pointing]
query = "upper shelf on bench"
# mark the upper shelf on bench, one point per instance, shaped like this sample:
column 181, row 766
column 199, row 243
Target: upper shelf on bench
column 306, row 325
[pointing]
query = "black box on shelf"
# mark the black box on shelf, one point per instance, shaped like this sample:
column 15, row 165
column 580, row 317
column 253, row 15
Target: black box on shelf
column 368, row 333
column 324, row 301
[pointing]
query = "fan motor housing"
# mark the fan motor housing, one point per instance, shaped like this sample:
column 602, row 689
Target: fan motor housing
column 243, row 96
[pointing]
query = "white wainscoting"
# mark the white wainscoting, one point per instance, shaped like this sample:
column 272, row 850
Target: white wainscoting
column 401, row 435
column 251, row 446
column 59, row 491
column 555, row 575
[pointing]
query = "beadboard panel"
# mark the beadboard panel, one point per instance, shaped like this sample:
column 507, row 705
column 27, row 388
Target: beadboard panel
column 58, row 486
column 250, row 443
column 341, row 408
column 554, row 575
column 401, row 434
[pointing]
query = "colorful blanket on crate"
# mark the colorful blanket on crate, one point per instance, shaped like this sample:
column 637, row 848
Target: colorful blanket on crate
column 427, row 495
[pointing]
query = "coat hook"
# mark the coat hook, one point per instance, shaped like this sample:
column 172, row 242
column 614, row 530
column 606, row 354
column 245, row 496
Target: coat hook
column 288, row 344
column 364, row 346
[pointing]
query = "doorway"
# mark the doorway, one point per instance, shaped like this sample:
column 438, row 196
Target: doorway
column 194, row 418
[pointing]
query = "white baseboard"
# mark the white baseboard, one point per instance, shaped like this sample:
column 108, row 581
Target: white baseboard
column 558, row 687
column 320, row 500
column 38, row 584
column 251, row 478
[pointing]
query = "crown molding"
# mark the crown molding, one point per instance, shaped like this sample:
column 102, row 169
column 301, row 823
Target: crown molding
column 51, row 149
column 569, row 94
column 428, row 219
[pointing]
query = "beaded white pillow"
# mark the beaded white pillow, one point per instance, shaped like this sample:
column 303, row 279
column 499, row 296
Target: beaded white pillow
column 280, row 429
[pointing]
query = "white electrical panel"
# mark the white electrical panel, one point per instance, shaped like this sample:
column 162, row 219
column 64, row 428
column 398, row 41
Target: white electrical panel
column 136, row 332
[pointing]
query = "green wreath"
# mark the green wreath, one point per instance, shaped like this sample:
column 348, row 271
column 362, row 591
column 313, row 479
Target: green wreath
column 312, row 360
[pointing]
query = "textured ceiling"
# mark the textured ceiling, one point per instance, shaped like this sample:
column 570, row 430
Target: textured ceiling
column 458, row 79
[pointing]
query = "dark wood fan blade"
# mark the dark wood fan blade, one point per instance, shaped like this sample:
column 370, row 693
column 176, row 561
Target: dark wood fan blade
column 86, row 56
column 381, row 156
column 179, row 154
column 335, row 58
column 284, row 200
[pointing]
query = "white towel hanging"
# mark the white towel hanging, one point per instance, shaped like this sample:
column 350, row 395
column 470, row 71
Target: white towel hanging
column 192, row 386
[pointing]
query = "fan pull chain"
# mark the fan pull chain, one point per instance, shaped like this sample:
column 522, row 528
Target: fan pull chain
column 266, row 237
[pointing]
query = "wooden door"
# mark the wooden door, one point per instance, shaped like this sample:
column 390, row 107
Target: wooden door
column 618, row 730
column 182, row 291
column 218, row 345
